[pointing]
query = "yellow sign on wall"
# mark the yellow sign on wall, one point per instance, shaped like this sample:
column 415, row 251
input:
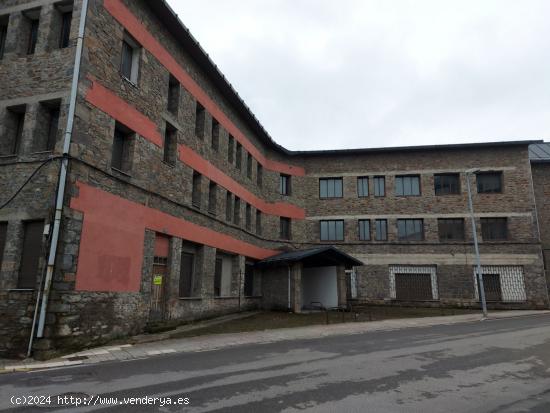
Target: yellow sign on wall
column 157, row 280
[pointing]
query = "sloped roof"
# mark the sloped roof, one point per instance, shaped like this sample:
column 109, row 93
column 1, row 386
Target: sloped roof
column 539, row 152
column 314, row 257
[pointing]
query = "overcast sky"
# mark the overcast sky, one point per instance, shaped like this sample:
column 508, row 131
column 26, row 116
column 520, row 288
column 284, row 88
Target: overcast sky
column 323, row 74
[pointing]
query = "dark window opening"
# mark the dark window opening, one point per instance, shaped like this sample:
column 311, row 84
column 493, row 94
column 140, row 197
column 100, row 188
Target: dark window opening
column 491, row 287
column 248, row 217
column 215, row 134
column 187, row 274
column 31, row 253
column 33, row 36
column 3, row 235
column 331, row 188
column 248, row 280
column 129, row 63
column 237, row 211
column 121, row 158
column 3, row 36
column 494, row 229
column 238, row 155
column 212, row 198
column 413, row 287
column 249, row 166
column 170, row 144
column 14, row 124
column 200, row 117
column 53, row 128
column 173, row 95
column 218, row 277
column 410, row 229
column 362, row 186
column 65, row 35
column 451, row 229
column 228, row 204
column 364, row 230
column 381, row 230
column 259, row 174
column 196, row 193
column 258, row 222
column 447, row 184
column 489, row 182
column 407, row 185
column 285, row 228
column 379, row 186
column 332, row 230
column 284, row 184
column 230, row 149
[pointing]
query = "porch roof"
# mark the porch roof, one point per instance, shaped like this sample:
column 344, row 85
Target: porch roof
column 314, row 257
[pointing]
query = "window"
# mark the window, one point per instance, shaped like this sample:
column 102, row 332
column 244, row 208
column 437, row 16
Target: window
column 66, row 19
column 200, row 116
column 447, row 184
column 407, row 185
column 238, row 155
column 413, row 287
column 494, row 229
column 33, row 35
column 284, row 228
column 379, row 186
column 451, row 229
column 410, row 229
column 230, row 146
column 332, row 230
column 3, row 35
column 381, row 230
column 187, row 274
column 259, row 174
column 489, row 182
column 237, row 211
column 284, row 184
column 215, row 134
column 330, row 188
column 121, row 158
column 53, row 127
column 248, row 217
column 363, row 187
column 3, row 235
column 258, row 222
column 31, row 253
column 249, row 166
column 170, row 144
column 249, row 280
column 364, row 230
column 228, row 203
column 173, row 95
column 212, row 198
column 223, row 275
column 13, row 129
column 129, row 63
column 196, row 193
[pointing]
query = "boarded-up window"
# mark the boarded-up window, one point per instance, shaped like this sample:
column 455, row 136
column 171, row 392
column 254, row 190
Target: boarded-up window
column 196, row 193
column 212, row 198
column 218, row 277
column 491, row 286
column 249, row 280
column 3, row 232
column 413, row 287
column 223, row 275
column 31, row 252
column 228, row 204
column 187, row 274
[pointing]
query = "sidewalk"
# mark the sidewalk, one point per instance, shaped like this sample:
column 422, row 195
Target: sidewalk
column 214, row 342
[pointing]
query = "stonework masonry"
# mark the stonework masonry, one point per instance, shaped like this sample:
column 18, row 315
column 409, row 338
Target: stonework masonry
column 192, row 152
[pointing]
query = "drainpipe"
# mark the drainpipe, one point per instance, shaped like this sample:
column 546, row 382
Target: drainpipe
column 62, row 177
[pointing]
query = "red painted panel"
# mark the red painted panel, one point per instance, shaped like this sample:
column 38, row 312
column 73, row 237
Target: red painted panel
column 126, row 114
column 125, row 17
column 162, row 246
column 111, row 245
column 199, row 164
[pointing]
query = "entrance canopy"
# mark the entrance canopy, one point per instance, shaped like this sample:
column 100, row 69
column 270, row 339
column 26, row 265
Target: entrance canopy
column 314, row 257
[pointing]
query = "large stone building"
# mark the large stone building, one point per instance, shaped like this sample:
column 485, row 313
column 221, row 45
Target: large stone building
column 137, row 187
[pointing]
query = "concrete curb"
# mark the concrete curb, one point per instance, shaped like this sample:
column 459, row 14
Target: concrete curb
column 220, row 341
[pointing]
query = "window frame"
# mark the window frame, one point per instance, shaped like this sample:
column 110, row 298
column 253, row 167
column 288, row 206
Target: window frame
column 377, row 232
column 124, row 137
column 285, row 228
column 327, row 223
column 285, row 188
column 487, row 173
column 327, row 182
column 361, row 187
column 362, row 231
column 403, row 186
column 446, row 221
column 442, row 177
column 376, row 189
column 129, row 43
column 485, row 230
column 196, row 190
column 3, row 37
column 409, row 236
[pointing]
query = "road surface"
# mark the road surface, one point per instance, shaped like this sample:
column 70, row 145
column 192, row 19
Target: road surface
column 492, row 366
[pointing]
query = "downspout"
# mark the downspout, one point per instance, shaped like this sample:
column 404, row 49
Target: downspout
column 62, row 176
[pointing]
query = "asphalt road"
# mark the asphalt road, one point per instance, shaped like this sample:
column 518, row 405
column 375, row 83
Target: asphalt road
column 492, row 366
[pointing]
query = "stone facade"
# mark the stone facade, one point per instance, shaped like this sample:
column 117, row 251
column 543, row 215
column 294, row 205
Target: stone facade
column 186, row 133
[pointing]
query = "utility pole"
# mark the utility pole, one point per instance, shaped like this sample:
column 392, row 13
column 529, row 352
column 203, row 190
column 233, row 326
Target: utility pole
column 479, row 275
